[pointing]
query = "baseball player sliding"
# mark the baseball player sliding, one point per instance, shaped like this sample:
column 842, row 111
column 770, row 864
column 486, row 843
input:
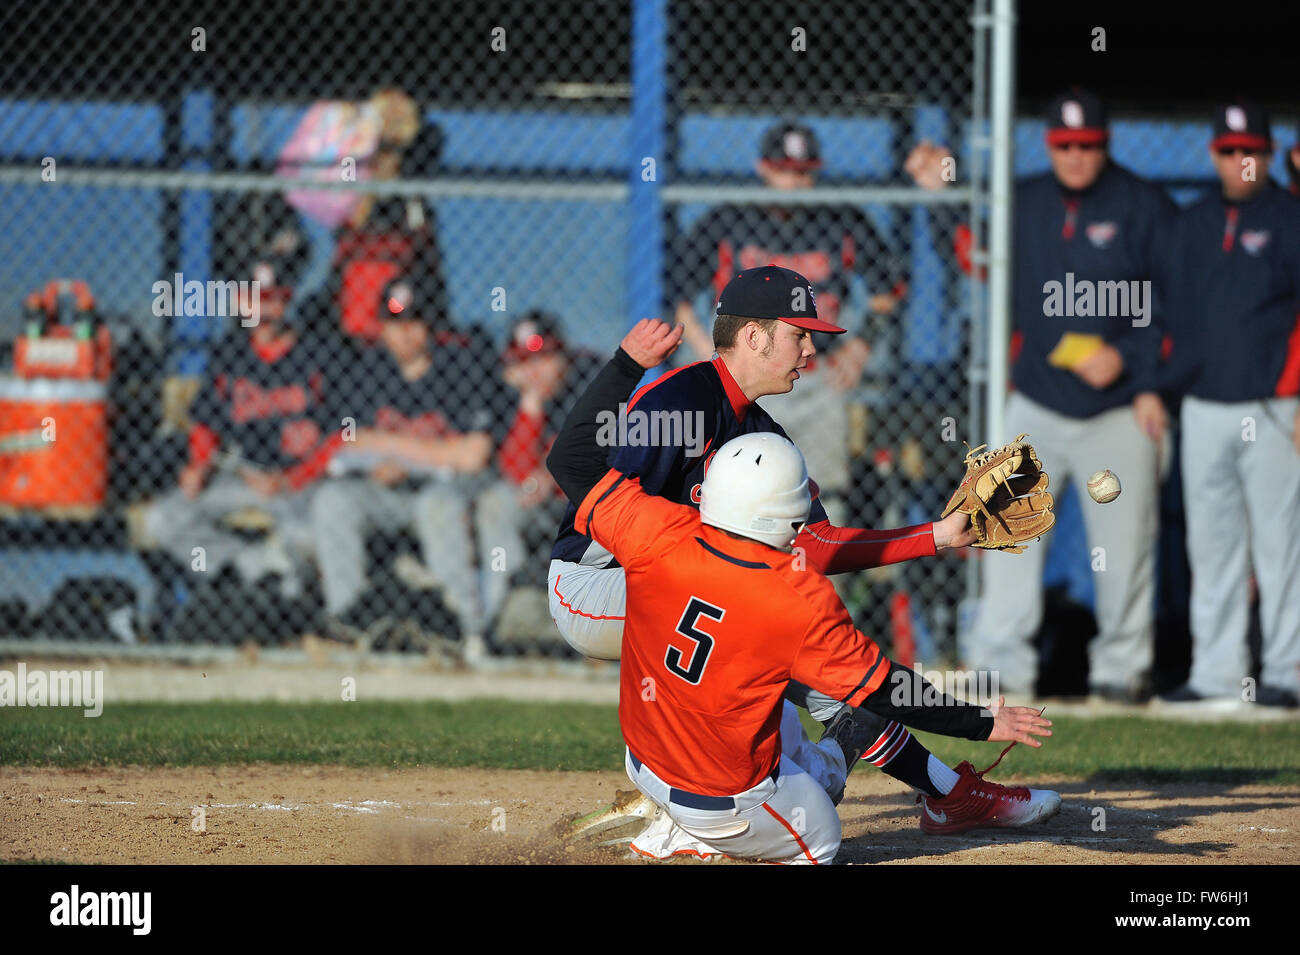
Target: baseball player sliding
column 720, row 619
column 763, row 336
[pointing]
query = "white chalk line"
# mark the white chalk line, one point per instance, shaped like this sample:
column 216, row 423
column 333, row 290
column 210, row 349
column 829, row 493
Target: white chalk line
column 361, row 807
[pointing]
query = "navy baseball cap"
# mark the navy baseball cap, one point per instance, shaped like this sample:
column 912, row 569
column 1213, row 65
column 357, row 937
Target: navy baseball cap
column 773, row 292
column 1076, row 116
column 791, row 145
column 401, row 301
column 535, row 333
column 1242, row 124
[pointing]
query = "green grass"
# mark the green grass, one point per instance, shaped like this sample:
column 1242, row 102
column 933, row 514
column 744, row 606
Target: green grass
column 1134, row 748
column 570, row 736
column 492, row 733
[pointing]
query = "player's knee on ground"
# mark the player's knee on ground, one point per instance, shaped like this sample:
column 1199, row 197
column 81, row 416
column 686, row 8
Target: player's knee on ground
column 798, row 825
column 807, row 811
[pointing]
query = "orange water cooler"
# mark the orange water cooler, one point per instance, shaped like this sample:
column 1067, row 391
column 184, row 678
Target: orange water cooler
column 53, row 444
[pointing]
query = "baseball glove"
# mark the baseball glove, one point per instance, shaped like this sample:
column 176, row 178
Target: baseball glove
column 1005, row 493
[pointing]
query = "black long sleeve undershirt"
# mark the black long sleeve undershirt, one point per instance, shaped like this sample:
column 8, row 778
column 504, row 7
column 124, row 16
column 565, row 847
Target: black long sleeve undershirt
column 909, row 698
column 577, row 461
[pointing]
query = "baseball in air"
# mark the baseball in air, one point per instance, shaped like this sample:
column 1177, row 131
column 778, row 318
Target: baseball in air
column 1104, row 486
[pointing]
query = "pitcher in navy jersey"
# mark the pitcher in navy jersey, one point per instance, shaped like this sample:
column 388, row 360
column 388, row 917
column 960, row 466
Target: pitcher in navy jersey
column 857, row 278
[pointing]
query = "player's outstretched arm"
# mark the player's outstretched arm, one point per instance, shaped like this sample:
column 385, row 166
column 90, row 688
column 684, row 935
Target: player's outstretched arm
column 577, row 461
column 911, row 699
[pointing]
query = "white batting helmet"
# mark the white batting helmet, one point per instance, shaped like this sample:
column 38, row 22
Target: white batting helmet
column 757, row 486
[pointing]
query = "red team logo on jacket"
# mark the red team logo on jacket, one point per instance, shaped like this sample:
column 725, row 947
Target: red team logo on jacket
column 1254, row 240
column 1101, row 234
column 249, row 401
column 430, row 424
column 298, row 438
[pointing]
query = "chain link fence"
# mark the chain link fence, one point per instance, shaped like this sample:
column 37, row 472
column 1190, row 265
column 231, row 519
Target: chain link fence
column 292, row 298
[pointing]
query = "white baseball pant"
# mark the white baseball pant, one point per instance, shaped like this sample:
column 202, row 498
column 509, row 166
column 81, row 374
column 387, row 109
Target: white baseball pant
column 789, row 819
column 589, row 605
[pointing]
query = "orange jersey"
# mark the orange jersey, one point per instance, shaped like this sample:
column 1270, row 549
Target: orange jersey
column 716, row 628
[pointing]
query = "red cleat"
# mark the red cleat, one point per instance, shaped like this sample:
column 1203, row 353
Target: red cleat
column 976, row 803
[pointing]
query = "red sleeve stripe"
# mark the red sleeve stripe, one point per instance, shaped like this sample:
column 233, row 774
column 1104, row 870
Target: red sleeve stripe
column 876, row 538
column 314, row 465
column 203, row 442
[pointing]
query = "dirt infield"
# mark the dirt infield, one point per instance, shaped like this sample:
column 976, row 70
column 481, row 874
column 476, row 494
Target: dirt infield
column 279, row 814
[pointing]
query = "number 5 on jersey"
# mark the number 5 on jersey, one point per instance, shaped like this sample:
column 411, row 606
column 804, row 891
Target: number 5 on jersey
column 699, row 654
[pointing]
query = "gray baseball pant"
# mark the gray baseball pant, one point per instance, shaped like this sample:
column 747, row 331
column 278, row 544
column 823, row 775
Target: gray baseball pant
column 344, row 510
column 1241, row 487
column 180, row 524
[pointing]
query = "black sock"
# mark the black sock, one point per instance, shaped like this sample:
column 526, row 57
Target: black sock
column 901, row 755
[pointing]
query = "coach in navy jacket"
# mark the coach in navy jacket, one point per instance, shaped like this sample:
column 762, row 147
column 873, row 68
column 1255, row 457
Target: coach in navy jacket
column 1086, row 353
column 1236, row 358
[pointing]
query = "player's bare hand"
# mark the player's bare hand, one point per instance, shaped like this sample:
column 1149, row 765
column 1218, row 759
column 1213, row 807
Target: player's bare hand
column 192, row 479
column 954, row 531
column 265, row 483
column 697, row 338
column 1101, row 368
column 1150, row 413
column 884, row 303
column 1017, row 724
column 536, row 488
column 848, row 363
column 925, row 164
column 388, row 473
column 651, row 341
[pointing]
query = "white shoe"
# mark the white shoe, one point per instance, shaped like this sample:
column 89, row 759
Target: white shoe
column 664, row 839
column 473, row 650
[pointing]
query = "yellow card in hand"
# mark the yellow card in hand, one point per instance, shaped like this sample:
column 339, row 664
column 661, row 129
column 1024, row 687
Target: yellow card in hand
column 1073, row 348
